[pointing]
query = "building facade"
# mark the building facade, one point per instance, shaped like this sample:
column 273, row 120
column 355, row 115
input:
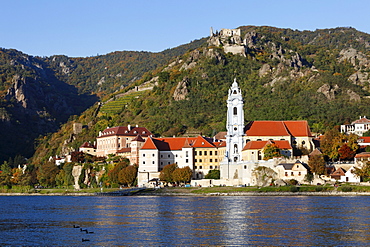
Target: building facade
column 358, row 127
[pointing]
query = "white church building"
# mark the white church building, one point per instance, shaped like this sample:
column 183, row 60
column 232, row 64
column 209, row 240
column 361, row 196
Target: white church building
column 245, row 143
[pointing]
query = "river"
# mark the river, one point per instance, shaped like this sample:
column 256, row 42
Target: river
column 184, row 221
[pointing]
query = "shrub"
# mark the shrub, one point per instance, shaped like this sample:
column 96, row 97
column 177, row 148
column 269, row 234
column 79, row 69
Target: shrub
column 346, row 188
column 294, row 189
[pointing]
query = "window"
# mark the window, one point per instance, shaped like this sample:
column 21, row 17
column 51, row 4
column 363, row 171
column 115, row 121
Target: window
column 200, row 160
column 186, row 161
column 195, row 160
column 286, row 173
column 216, row 160
column 161, row 155
column 195, row 167
column 210, row 160
column 176, row 155
column 216, row 167
column 153, row 162
column 210, row 152
column 245, row 167
column 297, row 166
column 169, row 156
column 200, row 167
column 143, row 155
column 292, row 173
column 200, row 152
column 187, row 154
column 299, row 173
column 215, row 152
column 205, row 152
column 211, row 167
column 235, row 111
column 153, row 155
column 168, row 163
column 161, row 163
column 195, row 152
column 143, row 162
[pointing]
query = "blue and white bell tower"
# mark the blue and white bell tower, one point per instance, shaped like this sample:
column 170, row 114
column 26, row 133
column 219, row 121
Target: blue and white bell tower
column 234, row 125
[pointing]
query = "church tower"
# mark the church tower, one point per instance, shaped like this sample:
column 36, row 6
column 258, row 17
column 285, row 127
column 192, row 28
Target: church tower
column 234, row 125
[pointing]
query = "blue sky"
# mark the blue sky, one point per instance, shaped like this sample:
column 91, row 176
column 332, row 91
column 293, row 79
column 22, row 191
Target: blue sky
column 81, row 28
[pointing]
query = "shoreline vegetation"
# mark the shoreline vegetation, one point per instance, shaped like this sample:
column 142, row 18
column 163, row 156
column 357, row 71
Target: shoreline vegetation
column 305, row 190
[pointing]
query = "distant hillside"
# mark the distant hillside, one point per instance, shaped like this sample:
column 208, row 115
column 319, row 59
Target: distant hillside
column 38, row 94
column 321, row 76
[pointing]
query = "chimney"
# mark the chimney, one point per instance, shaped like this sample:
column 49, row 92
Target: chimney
column 129, row 127
column 137, row 126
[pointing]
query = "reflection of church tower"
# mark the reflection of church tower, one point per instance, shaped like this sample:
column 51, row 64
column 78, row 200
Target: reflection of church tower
column 234, row 124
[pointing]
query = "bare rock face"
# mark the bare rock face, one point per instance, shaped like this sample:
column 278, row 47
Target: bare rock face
column 76, row 173
column 181, row 90
column 264, row 70
column 353, row 96
column 361, row 79
column 356, row 58
column 250, row 39
column 264, row 176
column 328, row 91
column 17, row 91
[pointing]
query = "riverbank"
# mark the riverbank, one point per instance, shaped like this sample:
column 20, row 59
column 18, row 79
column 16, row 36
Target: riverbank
column 344, row 190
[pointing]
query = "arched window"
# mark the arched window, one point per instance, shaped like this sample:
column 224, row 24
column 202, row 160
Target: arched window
column 235, row 111
column 235, row 148
column 234, row 92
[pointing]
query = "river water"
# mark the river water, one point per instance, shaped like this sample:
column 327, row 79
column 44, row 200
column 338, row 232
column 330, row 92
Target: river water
column 184, row 221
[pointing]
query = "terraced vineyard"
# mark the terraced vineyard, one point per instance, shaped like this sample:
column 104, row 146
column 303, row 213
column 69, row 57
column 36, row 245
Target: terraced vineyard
column 116, row 106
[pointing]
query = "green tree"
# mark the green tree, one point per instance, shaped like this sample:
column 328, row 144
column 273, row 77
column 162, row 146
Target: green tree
column 182, row 174
column 317, row 164
column 127, row 175
column 363, row 172
column 166, row 173
column 5, row 175
column 47, row 174
column 213, row 174
column 114, row 173
column 270, row 151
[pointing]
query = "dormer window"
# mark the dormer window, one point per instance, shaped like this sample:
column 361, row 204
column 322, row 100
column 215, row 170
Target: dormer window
column 143, row 132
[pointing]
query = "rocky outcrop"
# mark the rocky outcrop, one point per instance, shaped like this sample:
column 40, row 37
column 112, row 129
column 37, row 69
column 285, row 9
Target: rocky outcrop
column 356, row 58
column 328, row 91
column 181, row 90
column 353, row 96
column 76, row 173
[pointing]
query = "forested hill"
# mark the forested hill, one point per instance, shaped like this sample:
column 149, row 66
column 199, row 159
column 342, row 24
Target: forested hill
column 38, row 94
column 321, row 76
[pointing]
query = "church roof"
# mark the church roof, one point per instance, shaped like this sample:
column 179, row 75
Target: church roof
column 125, row 131
column 221, row 135
column 278, row 128
column 261, row 144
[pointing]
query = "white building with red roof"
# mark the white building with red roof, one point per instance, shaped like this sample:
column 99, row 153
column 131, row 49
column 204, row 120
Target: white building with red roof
column 199, row 153
column 358, row 127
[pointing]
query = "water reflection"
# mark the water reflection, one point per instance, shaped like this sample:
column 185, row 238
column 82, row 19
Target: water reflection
column 28, row 220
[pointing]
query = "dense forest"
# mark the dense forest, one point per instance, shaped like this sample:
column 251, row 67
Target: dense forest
column 320, row 76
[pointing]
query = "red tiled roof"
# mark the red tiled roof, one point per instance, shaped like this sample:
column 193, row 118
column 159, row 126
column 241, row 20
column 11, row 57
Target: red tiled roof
column 219, row 144
column 278, row 128
column 262, row 144
column 363, row 155
column 138, row 138
column 177, row 143
column 361, row 121
column 125, row 131
column 365, row 139
column 266, row 128
column 298, row 128
column 87, row 145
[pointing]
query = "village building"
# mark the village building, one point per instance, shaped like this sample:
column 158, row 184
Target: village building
column 201, row 154
column 296, row 171
column 88, row 148
column 358, row 127
column 121, row 140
